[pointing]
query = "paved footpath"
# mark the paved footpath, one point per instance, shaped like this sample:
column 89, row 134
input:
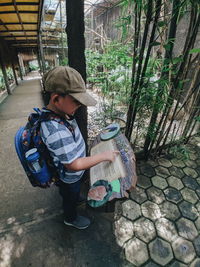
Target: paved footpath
column 32, row 232
column 158, row 226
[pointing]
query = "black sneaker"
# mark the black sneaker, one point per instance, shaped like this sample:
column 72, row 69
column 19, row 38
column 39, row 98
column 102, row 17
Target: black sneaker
column 80, row 222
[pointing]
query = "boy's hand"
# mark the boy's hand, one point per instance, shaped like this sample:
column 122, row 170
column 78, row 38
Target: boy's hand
column 110, row 155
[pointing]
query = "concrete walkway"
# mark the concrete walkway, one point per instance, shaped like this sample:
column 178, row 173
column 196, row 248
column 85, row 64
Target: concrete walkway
column 32, row 232
column 158, row 226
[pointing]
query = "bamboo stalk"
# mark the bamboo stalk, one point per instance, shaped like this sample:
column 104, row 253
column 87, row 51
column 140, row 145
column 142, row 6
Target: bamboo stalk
column 168, row 55
column 135, row 96
column 184, row 65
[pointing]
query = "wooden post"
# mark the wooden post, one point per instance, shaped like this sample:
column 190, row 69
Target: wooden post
column 5, row 75
column 41, row 54
column 76, row 55
column 21, row 63
column 63, row 54
column 20, row 70
column 39, row 62
column 14, row 73
column 76, row 48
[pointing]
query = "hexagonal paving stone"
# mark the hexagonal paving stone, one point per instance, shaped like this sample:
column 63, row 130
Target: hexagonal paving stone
column 177, row 162
column 159, row 182
column 197, row 205
column 198, row 181
column 190, row 172
column 177, row 264
column 160, row 251
column 138, row 194
column 169, row 211
column 197, row 245
column 188, row 210
column 197, row 169
column 175, row 182
column 151, row 264
column 144, row 229
column 131, row 210
column 123, row 230
column 155, row 195
column 166, row 229
column 190, row 163
column 193, row 156
column 195, row 263
column 190, row 182
column 183, row 250
column 151, row 210
column 186, row 229
column 175, row 171
column 198, row 192
column 162, row 171
column 189, row 195
column 147, row 170
column 173, row 195
column 144, row 181
column 136, row 251
column 164, row 162
column 197, row 223
column 153, row 163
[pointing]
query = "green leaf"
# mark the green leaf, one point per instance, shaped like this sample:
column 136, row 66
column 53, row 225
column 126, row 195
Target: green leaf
column 194, row 50
column 155, row 43
column 162, row 23
column 167, row 46
column 197, row 119
column 176, row 60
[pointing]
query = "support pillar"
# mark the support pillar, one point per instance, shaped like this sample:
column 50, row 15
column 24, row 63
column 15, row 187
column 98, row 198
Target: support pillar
column 21, row 62
column 4, row 75
column 14, row 73
column 39, row 62
column 61, row 23
column 41, row 54
column 20, row 70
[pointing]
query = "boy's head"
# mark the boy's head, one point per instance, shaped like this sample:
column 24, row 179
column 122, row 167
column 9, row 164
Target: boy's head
column 63, row 81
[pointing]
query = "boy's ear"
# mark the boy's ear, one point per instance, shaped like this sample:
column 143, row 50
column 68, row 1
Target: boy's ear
column 54, row 97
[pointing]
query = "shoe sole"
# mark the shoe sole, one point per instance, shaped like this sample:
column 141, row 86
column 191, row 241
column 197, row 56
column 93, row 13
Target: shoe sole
column 80, row 228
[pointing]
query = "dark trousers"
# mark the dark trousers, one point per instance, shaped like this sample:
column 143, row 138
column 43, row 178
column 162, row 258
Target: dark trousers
column 70, row 195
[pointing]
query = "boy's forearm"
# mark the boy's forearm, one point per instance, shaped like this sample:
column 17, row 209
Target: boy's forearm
column 85, row 163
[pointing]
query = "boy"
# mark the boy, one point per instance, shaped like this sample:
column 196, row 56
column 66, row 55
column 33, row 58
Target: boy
column 66, row 92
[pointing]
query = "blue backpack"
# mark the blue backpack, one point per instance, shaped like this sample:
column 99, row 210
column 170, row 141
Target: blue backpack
column 27, row 138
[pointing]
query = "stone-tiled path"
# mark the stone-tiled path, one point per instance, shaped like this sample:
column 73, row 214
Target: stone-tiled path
column 160, row 224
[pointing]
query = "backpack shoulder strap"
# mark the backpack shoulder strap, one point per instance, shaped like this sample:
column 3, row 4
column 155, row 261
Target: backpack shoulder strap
column 50, row 115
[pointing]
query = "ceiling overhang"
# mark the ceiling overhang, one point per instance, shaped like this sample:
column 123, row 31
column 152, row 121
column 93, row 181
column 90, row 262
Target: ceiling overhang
column 20, row 22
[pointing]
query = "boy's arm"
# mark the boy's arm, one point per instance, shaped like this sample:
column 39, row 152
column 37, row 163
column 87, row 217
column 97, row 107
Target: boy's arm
column 88, row 162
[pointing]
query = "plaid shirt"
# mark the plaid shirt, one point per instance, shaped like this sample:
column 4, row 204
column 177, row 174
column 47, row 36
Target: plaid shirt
column 64, row 147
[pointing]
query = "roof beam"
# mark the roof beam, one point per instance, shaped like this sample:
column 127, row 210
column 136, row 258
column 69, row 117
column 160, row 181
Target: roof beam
column 7, row 30
column 20, row 4
column 18, row 23
column 30, row 40
column 18, row 15
column 12, row 36
column 17, row 31
column 19, row 11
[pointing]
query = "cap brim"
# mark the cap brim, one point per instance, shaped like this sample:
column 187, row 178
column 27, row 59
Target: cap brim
column 84, row 98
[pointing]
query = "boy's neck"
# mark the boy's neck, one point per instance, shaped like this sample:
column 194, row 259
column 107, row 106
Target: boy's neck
column 52, row 108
